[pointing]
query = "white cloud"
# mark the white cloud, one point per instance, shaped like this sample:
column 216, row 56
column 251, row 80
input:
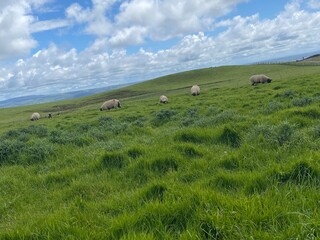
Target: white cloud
column 165, row 19
column 76, row 13
column 95, row 18
column 17, row 24
column 128, row 36
column 138, row 20
column 46, row 25
column 314, row 4
column 15, row 36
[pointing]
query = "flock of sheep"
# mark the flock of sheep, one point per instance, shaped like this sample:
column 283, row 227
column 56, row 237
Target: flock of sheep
column 195, row 90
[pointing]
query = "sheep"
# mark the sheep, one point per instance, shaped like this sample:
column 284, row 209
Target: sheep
column 49, row 115
column 35, row 116
column 195, row 90
column 113, row 103
column 260, row 78
column 163, row 99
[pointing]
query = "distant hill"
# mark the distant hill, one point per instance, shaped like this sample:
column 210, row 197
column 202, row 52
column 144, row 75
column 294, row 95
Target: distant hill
column 295, row 58
column 313, row 58
column 35, row 99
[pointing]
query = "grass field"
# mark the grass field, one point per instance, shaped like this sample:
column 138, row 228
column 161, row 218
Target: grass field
column 236, row 162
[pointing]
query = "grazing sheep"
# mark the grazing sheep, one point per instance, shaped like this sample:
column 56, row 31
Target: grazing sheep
column 35, row 116
column 49, row 115
column 163, row 99
column 195, row 90
column 113, row 103
column 260, row 78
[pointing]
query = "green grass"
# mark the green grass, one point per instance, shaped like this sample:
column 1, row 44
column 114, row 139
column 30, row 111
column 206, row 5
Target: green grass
column 236, row 162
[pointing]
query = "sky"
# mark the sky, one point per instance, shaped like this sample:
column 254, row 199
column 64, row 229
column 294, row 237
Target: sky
column 53, row 46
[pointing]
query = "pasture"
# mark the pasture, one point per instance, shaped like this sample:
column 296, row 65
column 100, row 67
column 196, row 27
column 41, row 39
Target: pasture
column 236, row 162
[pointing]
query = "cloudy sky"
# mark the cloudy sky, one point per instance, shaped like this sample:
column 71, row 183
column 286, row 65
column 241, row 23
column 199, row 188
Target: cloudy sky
column 54, row 46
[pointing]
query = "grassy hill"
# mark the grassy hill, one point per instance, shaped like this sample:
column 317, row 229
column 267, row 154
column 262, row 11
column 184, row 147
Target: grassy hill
column 313, row 58
column 236, row 162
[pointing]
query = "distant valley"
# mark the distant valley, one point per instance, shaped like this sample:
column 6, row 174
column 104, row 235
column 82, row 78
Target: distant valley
column 35, row 99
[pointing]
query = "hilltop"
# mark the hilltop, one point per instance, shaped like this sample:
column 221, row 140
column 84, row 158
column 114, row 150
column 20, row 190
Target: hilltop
column 236, row 162
column 313, row 58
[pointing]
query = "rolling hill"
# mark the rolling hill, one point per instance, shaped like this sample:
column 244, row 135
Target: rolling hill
column 236, row 162
column 313, row 58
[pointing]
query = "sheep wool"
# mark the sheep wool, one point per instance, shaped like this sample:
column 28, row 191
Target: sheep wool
column 35, row 116
column 260, row 78
column 113, row 103
column 163, row 99
column 195, row 90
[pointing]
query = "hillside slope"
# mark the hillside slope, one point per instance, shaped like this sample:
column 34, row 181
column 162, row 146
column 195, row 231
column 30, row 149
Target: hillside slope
column 236, row 162
column 209, row 79
column 313, row 58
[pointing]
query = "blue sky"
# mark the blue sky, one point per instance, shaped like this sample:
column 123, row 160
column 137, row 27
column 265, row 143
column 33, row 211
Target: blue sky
column 52, row 46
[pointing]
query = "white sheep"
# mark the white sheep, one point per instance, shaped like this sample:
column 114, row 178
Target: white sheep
column 259, row 78
column 113, row 103
column 163, row 99
column 195, row 90
column 35, row 116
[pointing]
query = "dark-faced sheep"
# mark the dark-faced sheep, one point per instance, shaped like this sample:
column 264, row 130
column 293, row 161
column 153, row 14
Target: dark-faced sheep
column 195, row 90
column 113, row 103
column 35, row 116
column 49, row 115
column 163, row 99
column 260, row 78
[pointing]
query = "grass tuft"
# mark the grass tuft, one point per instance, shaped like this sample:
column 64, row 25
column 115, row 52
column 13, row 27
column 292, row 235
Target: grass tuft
column 61, row 179
column 37, row 152
column 192, row 136
column 287, row 94
column 163, row 116
column 37, row 130
column 316, row 132
column 225, row 182
column 310, row 113
column 285, row 132
column 17, row 152
column 273, row 107
column 135, row 153
column 190, row 151
column 230, row 164
column 230, row 137
column 113, row 160
column 302, row 174
column 164, row 165
column 209, row 231
column 154, row 192
column 10, row 151
column 301, row 102
column 258, row 185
